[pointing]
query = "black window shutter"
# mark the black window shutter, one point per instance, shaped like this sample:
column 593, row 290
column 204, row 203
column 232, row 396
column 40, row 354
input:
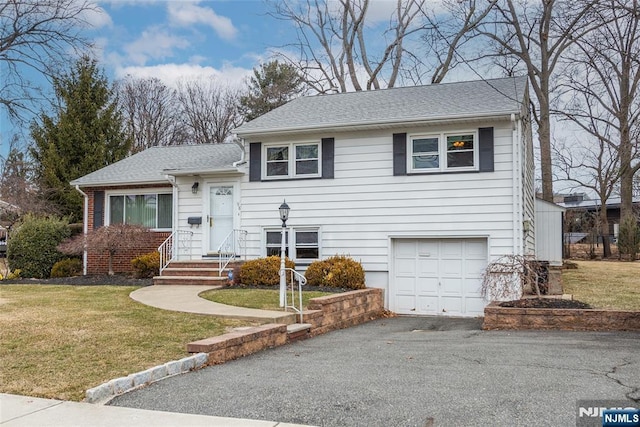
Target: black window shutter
column 98, row 209
column 327, row 157
column 485, row 136
column 399, row 154
column 255, row 166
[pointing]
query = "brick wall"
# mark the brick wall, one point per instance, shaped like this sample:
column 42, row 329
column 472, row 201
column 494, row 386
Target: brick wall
column 496, row 317
column 98, row 262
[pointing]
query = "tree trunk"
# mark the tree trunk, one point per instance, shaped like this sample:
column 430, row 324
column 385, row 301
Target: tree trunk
column 604, row 230
column 544, row 137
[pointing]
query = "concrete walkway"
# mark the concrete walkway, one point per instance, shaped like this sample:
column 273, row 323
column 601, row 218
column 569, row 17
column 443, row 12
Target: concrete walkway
column 23, row 411
column 186, row 298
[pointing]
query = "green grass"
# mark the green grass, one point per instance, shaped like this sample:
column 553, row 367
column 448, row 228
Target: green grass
column 264, row 299
column 605, row 284
column 58, row 341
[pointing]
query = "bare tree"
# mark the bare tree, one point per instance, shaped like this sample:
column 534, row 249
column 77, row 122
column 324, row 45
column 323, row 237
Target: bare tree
column 535, row 35
column 336, row 54
column 211, row 110
column 447, row 34
column 40, row 35
column 593, row 166
column 111, row 239
column 151, row 112
column 606, row 79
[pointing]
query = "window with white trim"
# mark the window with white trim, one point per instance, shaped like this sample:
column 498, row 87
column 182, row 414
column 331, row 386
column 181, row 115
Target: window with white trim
column 305, row 243
column 443, row 152
column 153, row 210
column 295, row 160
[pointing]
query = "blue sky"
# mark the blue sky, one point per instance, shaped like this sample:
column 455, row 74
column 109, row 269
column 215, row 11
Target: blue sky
column 179, row 39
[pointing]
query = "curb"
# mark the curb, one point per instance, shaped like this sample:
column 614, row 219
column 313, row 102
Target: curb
column 105, row 392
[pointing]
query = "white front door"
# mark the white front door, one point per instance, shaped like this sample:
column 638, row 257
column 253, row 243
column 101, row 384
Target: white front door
column 220, row 215
column 438, row 276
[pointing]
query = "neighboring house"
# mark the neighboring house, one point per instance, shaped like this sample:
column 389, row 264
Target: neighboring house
column 579, row 204
column 424, row 185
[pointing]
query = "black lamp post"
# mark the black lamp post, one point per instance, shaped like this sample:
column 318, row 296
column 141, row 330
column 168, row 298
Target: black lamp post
column 284, row 215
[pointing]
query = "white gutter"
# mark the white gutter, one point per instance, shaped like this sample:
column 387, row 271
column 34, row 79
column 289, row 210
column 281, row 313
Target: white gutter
column 85, row 227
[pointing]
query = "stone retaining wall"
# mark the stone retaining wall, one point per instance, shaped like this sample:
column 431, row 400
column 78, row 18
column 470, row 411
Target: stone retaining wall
column 496, row 317
column 324, row 314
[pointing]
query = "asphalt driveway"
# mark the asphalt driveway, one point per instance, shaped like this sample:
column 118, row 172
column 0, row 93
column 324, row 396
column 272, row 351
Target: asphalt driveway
column 412, row 372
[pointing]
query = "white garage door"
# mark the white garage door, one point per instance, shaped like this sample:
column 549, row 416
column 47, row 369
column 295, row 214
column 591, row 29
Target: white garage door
column 438, row 276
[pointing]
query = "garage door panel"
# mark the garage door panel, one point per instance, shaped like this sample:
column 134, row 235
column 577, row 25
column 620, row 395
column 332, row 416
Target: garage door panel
column 452, row 305
column 406, row 303
column 427, row 267
column 474, row 306
column 406, row 267
column 474, row 268
column 451, row 249
column 427, row 248
column 427, row 286
column 451, row 286
column 405, row 249
column 405, row 285
column 476, row 249
column 427, row 305
column 451, row 268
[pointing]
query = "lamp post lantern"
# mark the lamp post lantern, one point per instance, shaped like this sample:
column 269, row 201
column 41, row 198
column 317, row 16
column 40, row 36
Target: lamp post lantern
column 284, row 215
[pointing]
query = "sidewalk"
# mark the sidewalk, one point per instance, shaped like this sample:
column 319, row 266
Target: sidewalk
column 185, row 298
column 18, row 411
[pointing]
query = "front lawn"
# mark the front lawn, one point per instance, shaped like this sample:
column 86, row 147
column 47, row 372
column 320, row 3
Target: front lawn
column 264, row 299
column 58, row 341
column 605, row 284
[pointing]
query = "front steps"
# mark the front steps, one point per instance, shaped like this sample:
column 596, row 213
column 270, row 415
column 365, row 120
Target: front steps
column 202, row 272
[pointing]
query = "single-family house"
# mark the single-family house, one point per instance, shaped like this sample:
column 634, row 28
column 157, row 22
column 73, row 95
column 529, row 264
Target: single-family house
column 424, row 185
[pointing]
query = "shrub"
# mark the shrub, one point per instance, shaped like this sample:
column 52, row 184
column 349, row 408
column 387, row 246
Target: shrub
column 32, row 246
column 629, row 238
column 66, row 267
column 263, row 271
column 147, row 265
column 11, row 275
column 336, row 272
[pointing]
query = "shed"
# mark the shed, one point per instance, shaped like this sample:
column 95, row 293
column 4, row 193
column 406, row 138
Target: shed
column 549, row 232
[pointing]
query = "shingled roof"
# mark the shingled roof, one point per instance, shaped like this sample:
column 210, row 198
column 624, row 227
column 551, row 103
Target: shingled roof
column 401, row 105
column 153, row 164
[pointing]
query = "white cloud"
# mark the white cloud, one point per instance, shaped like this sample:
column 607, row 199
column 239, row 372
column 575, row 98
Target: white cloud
column 154, row 43
column 95, row 16
column 172, row 73
column 186, row 14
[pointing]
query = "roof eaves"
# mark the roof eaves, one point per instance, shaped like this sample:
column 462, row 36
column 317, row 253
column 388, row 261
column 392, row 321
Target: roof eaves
column 186, row 171
column 505, row 114
column 79, row 183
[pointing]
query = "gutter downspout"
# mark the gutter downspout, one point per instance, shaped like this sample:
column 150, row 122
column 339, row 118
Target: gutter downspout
column 242, row 161
column 514, row 185
column 85, row 228
column 174, row 208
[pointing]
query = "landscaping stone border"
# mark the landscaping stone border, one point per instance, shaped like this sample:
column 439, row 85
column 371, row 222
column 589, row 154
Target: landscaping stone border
column 324, row 314
column 497, row 318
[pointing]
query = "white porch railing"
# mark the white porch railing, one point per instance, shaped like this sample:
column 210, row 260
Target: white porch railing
column 176, row 246
column 294, row 277
column 233, row 246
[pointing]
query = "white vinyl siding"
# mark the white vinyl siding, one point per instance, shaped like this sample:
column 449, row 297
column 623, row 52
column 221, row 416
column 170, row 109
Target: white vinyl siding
column 365, row 205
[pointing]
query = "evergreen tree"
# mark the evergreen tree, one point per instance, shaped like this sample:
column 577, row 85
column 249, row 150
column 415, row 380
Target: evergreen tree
column 86, row 134
column 272, row 85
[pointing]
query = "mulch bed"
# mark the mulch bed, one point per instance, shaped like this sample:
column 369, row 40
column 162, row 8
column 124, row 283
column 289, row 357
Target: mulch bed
column 545, row 303
column 88, row 280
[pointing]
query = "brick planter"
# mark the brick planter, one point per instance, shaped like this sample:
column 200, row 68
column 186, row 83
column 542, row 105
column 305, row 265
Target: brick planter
column 496, row 317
